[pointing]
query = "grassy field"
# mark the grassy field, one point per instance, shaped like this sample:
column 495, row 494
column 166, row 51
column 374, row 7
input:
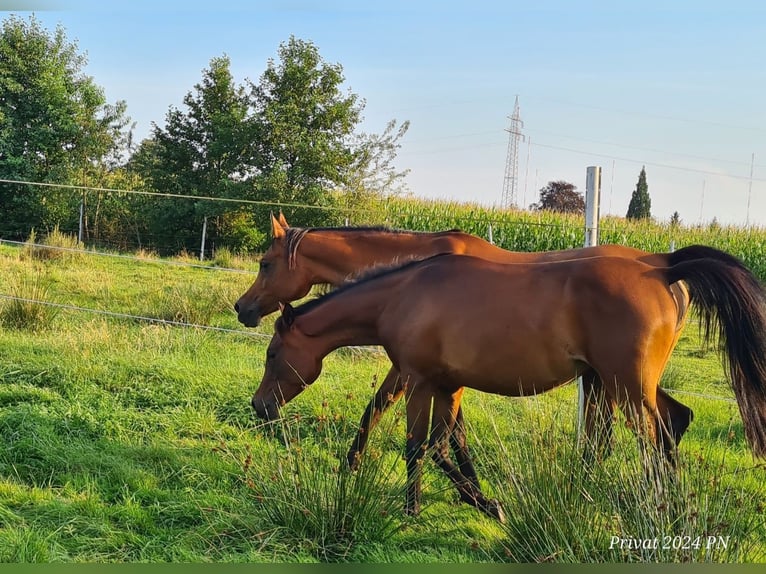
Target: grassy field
column 124, row 441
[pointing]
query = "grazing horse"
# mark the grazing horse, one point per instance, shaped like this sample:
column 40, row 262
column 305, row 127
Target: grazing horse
column 450, row 322
column 299, row 258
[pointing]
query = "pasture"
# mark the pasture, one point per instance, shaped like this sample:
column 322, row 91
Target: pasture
column 122, row 440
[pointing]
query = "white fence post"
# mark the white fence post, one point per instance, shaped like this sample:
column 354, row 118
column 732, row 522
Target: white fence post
column 592, row 205
column 202, row 245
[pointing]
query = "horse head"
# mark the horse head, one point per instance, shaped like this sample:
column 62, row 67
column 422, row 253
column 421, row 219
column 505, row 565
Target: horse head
column 290, row 367
column 276, row 280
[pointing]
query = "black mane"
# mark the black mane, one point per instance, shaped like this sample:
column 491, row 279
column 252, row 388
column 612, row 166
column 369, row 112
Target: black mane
column 366, row 276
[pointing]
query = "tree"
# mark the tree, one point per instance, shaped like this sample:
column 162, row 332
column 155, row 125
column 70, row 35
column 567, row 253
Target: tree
column 640, row 206
column 54, row 123
column 560, row 196
column 288, row 139
column 373, row 175
column 205, row 150
column 304, row 123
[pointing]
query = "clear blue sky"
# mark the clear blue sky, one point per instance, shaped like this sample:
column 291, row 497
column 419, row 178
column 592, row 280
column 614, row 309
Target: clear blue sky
column 676, row 86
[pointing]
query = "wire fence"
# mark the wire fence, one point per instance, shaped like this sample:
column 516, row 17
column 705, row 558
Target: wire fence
column 210, row 267
column 196, row 326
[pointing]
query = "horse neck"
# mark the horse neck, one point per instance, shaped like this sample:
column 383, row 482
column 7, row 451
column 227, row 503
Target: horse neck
column 333, row 255
column 346, row 319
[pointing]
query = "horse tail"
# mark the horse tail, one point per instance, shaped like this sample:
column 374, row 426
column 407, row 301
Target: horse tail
column 703, row 252
column 731, row 303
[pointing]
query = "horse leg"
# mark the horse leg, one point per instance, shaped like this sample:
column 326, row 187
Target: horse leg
column 390, row 391
column 459, row 444
column 674, row 419
column 638, row 397
column 418, row 410
column 598, row 419
column 445, row 409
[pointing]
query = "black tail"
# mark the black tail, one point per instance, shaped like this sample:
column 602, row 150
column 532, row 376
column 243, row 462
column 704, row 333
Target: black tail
column 731, row 302
column 703, row 252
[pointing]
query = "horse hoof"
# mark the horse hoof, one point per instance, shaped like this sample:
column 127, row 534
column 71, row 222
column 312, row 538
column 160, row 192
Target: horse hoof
column 496, row 511
column 352, row 458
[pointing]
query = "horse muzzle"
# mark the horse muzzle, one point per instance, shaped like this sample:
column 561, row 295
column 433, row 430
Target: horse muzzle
column 250, row 316
column 267, row 411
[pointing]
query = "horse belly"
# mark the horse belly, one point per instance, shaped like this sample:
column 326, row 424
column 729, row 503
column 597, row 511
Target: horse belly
column 513, row 363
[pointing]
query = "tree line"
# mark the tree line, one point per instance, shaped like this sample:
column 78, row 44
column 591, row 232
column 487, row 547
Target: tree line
column 563, row 197
column 291, row 137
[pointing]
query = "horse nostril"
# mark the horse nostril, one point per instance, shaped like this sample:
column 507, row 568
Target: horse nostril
column 236, row 307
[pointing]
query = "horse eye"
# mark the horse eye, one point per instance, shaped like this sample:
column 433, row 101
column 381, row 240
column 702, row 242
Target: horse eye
column 264, row 265
column 270, row 355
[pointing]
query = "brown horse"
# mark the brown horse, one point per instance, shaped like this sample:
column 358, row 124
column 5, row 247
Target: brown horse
column 450, row 322
column 299, row 258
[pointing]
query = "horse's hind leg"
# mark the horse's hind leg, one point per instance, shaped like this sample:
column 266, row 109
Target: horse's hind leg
column 445, row 410
column 390, row 391
column 674, row 419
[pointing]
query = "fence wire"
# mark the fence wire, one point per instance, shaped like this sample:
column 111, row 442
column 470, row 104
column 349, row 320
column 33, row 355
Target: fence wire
column 161, row 261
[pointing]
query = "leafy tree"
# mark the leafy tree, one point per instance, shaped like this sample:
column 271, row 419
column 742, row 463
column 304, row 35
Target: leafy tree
column 54, row 123
column 373, row 175
column 205, row 151
column 303, row 123
column 288, row 139
column 640, row 206
column 675, row 219
column 560, row 196
column 373, row 169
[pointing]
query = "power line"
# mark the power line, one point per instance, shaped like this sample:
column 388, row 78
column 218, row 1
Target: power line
column 655, row 164
column 645, row 149
column 698, row 121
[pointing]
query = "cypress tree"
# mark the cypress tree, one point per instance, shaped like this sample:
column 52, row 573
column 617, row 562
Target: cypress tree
column 640, row 203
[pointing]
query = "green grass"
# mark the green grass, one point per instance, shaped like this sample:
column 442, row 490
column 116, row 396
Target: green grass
column 127, row 441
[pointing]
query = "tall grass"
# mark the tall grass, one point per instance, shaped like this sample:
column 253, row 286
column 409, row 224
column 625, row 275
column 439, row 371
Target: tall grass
column 26, row 307
column 633, row 507
column 310, row 498
column 55, row 246
column 193, row 303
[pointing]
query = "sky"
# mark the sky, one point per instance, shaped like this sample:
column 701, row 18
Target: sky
column 676, row 87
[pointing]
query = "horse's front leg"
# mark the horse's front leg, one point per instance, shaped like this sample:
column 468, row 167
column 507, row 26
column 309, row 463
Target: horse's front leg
column 390, row 391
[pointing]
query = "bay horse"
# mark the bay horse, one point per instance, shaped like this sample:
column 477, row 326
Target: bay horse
column 299, row 258
column 450, row 322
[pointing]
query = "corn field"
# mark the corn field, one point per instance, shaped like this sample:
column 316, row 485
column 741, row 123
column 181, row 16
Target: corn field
column 518, row 230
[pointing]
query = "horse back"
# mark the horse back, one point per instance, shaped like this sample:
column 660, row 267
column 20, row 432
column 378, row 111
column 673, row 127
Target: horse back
column 457, row 316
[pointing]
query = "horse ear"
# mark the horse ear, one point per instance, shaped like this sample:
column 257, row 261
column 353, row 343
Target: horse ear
column 288, row 313
column 282, row 220
column 277, row 230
